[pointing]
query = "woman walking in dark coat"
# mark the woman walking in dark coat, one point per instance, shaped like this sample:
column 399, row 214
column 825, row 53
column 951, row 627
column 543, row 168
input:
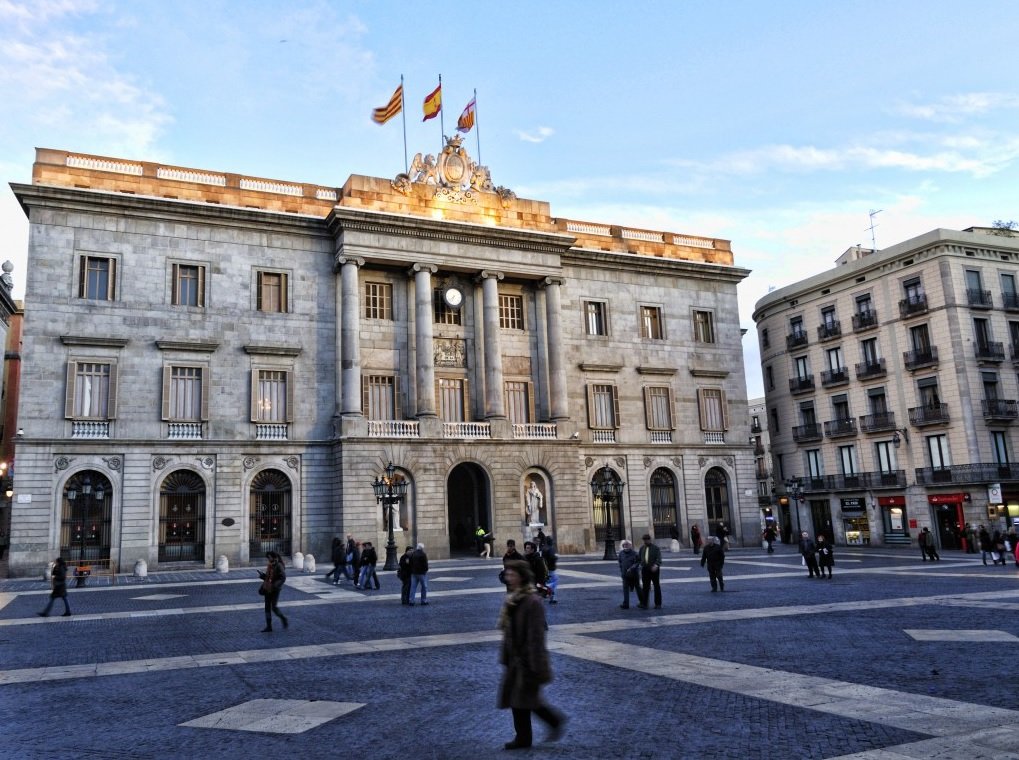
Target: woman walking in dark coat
column 338, row 554
column 525, row 657
column 825, row 555
column 272, row 583
column 58, row 577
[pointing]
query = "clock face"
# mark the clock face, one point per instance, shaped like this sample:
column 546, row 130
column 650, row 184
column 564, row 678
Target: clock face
column 454, row 297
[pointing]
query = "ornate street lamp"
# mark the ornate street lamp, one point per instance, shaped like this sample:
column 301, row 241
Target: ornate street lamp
column 607, row 489
column 87, row 499
column 389, row 491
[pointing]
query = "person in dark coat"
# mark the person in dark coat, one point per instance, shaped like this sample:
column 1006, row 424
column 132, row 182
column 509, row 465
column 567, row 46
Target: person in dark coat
column 403, row 573
column 650, row 572
column 510, row 555
column 351, row 558
column 58, row 579
column 927, row 546
column 369, row 559
column 419, row 574
column 536, row 562
column 629, row 570
column 695, row 539
column 272, row 583
column 548, row 553
column 825, row 556
column 525, row 657
column 714, row 557
column 769, row 535
column 809, row 551
column 998, row 546
column 338, row 556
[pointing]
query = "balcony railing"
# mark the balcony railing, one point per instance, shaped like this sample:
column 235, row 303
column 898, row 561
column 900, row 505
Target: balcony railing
column 875, row 423
column 758, row 450
column 90, row 429
column 921, row 357
column 864, row 320
column 813, row 484
column 914, row 304
column 265, row 431
column 840, row 428
column 540, row 430
column 868, row 370
column 991, row 351
column 603, row 436
column 874, row 480
column 985, row 472
column 714, row 438
column 1000, row 409
column 803, row 384
column 831, row 377
column 811, row 432
column 467, row 430
column 660, row 436
column 829, row 330
column 1010, row 301
column 979, row 299
column 930, row 414
column 394, row 429
column 796, row 339
column 184, row 431
column 756, row 428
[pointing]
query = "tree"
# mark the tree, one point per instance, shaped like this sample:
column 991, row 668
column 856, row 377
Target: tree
column 1006, row 229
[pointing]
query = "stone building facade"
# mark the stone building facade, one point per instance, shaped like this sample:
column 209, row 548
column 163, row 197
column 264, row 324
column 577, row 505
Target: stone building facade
column 217, row 365
column 891, row 389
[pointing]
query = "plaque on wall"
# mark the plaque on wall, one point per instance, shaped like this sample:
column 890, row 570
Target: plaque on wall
column 450, row 352
column 516, row 365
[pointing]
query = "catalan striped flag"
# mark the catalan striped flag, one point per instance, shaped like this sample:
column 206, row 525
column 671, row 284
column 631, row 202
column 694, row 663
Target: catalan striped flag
column 433, row 103
column 466, row 120
column 391, row 109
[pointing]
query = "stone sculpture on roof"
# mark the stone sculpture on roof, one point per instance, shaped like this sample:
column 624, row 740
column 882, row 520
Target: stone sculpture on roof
column 455, row 175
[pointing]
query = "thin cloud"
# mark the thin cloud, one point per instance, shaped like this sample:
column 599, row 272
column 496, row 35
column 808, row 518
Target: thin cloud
column 537, row 136
column 954, row 108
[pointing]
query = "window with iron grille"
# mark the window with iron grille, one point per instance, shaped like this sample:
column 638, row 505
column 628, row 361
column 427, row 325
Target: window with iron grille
column 658, row 407
column 452, row 394
column 380, row 400
column 596, row 318
column 511, row 312
column 86, row 521
column 663, row 503
column 444, row 313
column 97, row 278
column 185, row 394
column 518, row 402
column 182, row 518
column 704, row 327
column 269, row 508
column 651, row 322
column 602, row 406
column 91, row 390
column 378, row 300
column 188, row 285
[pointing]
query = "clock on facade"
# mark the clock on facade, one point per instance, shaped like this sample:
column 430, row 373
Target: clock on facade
column 453, row 298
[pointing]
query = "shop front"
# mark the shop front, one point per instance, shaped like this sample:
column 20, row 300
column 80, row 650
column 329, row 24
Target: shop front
column 893, row 519
column 948, row 519
column 1003, row 504
column 854, row 521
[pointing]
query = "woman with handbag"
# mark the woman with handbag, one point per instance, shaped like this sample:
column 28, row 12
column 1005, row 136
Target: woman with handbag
column 272, row 583
column 58, row 578
column 525, row 657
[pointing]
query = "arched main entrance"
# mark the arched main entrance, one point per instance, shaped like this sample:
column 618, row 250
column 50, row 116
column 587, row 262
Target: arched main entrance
column 664, row 512
column 270, row 503
column 86, row 518
column 182, row 518
column 716, row 496
column 469, row 498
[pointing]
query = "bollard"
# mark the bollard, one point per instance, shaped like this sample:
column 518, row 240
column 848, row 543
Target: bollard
column 309, row 563
column 222, row 564
column 674, row 546
column 141, row 569
column 298, row 561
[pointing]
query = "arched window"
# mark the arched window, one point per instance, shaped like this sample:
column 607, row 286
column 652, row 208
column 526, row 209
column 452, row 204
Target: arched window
column 270, row 505
column 182, row 518
column 664, row 512
column 86, row 518
column 716, row 496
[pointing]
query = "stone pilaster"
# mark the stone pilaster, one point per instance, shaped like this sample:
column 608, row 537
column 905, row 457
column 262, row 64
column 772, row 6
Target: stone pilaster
column 494, row 405
column 424, row 339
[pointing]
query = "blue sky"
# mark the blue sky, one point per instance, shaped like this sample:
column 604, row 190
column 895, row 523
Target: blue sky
column 778, row 126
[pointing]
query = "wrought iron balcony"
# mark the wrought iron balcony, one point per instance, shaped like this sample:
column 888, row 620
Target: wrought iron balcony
column 991, row 351
column 831, row 377
column 877, row 422
column 859, row 481
column 914, row 304
column 864, row 320
column 759, row 450
column 811, row 432
column 840, row 428
column 1010, row 301
column 921, row 357
column 983, row 472
column 796, row 339
column 1000, row 409
column 930, row 414
column 756, row 428
column 829, row 330
column 869, row 370
column 803, row 384
column 979, row 299
column 813, row 484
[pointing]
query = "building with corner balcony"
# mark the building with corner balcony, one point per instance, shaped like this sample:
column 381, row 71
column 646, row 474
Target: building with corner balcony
column 217, row 365
column 891, row 389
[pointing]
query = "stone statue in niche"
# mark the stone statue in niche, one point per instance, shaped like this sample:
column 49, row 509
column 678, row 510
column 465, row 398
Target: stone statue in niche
column 534, row 501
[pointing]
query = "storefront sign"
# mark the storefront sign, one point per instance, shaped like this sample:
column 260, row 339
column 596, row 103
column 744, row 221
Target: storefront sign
column 994, row 493
column 946, row 498
column 891, row 501
column 853, row 505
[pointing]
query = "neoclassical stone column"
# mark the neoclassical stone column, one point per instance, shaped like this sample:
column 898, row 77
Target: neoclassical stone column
column 424, row 339
column 349, row 336
column 494, row 406
column 558, row 403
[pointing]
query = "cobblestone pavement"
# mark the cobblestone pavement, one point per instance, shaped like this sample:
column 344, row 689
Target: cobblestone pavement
column 891, row 659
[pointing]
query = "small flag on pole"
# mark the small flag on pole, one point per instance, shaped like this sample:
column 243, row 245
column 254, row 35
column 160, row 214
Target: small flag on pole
column 393, row 107
column 433, row 103
column 466, row 120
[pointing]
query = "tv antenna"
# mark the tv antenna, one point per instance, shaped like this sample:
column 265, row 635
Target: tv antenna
column 873, row 238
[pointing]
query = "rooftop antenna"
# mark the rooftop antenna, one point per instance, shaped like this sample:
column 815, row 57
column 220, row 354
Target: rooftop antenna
column 873, row 238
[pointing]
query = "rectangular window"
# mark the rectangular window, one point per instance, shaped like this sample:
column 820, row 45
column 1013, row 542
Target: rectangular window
column 511, row 312
column 774, row 423
column 878, row 400
column 91, row 390
column 188, row 286
column 913, row 290
column 835, row 359
column 1008, row 285
column 703, row 327
column 452, row 394
column 982, row 332
column 765, row 340
column 990, row 382
column 651, row 322
column 920, row 339
column 840, row 407
column 185, row 394
column 814, row 468
column 927, row 390
column 869, row 350
column 713, row 409
column 973, row 280
column 595, row 318
column 518, row 402
column 271, row 290
column 937, row 449
column 769, row 378
column 273, row 395
column 380, row 399
column 999, row 446
column 828, row 317
column 864, row 305
column 802, row 368
column 1013, row 334
column 658, row 407
column 602, row 406
column 378, row 300
column 97, row 278
column 847, row 459
column 807, row 413
column 444, row 313
column 796, row 327
column 885, row 451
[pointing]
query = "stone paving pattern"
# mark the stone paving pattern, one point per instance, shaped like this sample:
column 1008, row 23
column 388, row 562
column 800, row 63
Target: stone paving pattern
column 778, row 666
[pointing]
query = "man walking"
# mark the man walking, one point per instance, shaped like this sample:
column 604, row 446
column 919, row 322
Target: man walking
column 927, row 547
column 714, row 557
column 404, row 574
column 629, row 569
column 809, row 551
column 650, row 572
column 538, row 570
column 419, row 574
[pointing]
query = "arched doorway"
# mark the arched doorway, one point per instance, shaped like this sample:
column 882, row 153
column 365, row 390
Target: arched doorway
column 182, row 518
column 716, row 496
column 664, row 510
column 86, row 518
column 270, row 505
column 604, row 511
column 468, row 496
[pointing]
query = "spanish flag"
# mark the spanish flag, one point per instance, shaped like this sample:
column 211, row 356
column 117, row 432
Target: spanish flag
column 466, row 120
column 433, row 103
column 393, row 107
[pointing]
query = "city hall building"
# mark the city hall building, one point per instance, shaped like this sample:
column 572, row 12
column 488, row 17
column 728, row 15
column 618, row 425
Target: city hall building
column 219, row 365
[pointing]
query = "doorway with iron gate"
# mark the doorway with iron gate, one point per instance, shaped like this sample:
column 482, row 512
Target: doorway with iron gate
column 468, row 498
column 820, row 519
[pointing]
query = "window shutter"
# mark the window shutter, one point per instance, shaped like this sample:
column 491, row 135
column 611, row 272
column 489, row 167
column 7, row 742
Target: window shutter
column 72, row 371
column 590, row 406
column 290, row 395
column 174, row 286
column 530, row 401
column 112, row 293
column 258, row 291
column 615, row 406
column 201, row 289
column 672, row 411
column 284, row 302
column 254, row 395
column 167, row 379
column 725, row 410
column 111, row 409
column 467, row 408
column 206, row 384
column 649, row 419
column 702, row 412
column 366, row 404
column 397, row 405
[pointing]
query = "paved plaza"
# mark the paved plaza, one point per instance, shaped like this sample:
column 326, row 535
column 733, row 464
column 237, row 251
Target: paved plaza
column 894, row 658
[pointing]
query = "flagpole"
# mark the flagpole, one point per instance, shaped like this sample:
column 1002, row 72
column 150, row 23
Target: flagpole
column 477, row 124
column 442, row 120
column 403, row 112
